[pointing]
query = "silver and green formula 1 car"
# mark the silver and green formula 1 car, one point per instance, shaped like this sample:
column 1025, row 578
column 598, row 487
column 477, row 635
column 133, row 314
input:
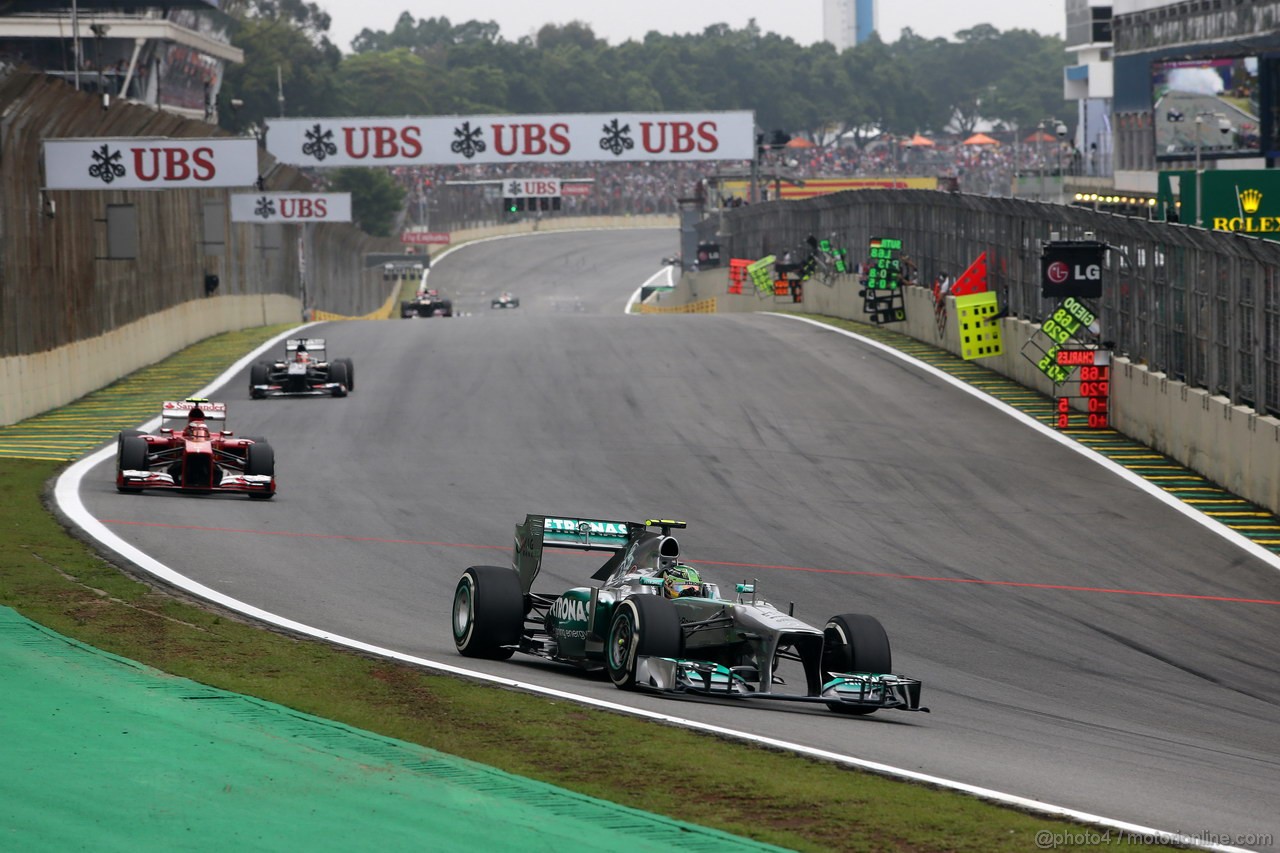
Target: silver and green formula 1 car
column 697, row 643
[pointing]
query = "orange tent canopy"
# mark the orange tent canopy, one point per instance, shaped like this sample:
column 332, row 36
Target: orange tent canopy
column 1040, row 136
column 919, row 141
column 980, row 139
column 799, row 142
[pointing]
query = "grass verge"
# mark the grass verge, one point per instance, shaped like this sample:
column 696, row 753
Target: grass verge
column 57, row 580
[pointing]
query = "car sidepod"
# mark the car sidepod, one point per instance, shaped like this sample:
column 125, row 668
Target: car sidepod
column 567, row 622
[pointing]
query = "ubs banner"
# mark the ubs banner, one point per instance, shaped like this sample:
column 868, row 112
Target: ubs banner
column 291, row 207
column 459, row 140
column 135, row 163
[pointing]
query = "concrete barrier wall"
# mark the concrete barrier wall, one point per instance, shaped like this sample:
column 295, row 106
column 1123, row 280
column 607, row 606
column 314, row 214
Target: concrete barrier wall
column 31, row 384
column 1230, row 445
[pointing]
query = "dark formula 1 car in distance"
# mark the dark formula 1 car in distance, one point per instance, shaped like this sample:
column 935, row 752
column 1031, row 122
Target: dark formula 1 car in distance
column 504, row 300
column 650, row 622
column 305, row 371
column 426, row 303
column 187, row 455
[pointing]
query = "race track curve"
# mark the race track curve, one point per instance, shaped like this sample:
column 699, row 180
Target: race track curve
column 1080, row 642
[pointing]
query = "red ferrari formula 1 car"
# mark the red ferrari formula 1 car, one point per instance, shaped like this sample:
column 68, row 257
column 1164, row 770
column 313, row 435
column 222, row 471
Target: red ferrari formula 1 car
column 189, row 456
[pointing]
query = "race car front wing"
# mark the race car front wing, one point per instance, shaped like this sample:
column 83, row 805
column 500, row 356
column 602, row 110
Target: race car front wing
column 315, row 389
column 140, row 479
column 863, row 689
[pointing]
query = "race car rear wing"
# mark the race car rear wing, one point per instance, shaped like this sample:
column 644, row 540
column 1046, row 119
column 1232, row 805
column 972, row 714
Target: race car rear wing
column 579, row 534
column 312, row 344
column 182, row 409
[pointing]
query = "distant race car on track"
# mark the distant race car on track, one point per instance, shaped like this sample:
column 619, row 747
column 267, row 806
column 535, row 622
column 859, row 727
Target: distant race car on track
column 305, row 371
column 651, row 622
column 426, row 303
column 504, row 300
column 189, row 456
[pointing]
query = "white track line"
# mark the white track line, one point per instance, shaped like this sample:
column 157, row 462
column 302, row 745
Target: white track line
column 67, row 497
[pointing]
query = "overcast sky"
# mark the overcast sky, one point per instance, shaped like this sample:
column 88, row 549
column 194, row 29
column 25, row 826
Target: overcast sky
column 616, row 22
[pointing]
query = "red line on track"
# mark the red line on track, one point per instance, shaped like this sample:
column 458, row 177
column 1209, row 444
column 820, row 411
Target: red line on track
column 852, row 572
column 297, row 535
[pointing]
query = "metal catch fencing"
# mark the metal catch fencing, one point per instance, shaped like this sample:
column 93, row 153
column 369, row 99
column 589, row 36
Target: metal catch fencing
column 1202, row 307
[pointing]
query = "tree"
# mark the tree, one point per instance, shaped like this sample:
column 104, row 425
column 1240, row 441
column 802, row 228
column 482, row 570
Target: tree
column 376, row 199
column 381, row 83
column 280, row 56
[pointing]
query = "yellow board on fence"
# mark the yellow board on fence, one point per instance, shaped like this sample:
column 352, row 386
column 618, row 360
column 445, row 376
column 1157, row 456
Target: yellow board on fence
column 979, row 334
column 704, row 306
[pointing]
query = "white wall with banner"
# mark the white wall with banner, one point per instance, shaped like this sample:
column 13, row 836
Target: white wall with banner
column 290, row 207
column 136, row 163
column 463, row 140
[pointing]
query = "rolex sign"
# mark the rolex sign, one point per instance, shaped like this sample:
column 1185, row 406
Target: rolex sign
column 1244, row 201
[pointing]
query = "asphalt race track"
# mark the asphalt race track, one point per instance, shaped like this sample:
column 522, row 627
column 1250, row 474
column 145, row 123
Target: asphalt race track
column 1080, row 642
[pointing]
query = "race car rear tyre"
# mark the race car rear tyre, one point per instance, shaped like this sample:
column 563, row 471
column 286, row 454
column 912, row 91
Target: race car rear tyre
column 338, row 373
column 643, row 625
column 131, row 455
column 488, row 612
column 259, row 374
column 855, row 642
column 351, row 373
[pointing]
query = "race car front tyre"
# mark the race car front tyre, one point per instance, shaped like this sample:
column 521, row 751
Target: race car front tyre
column 351, row 373
column 642, row 625
column 125, row 433
column 260, row 461
column 131, row 456
column 407, row 310
column 488, row 612
column 855, row 642
column 338, row 373
column 259, row 374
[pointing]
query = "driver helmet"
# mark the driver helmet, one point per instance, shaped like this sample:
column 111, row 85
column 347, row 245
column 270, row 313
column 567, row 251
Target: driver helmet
column 681, row 581
column 301, row 353
column 196, row 427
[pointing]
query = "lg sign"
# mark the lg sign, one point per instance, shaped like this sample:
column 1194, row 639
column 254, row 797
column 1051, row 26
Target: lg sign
column 1072, row 269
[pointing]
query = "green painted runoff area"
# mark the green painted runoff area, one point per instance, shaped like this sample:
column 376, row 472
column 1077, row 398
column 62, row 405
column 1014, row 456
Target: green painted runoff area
column 102, row 753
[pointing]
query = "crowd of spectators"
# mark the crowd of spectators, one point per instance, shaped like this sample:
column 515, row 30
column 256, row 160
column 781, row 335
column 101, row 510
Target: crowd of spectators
column 450, row 195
